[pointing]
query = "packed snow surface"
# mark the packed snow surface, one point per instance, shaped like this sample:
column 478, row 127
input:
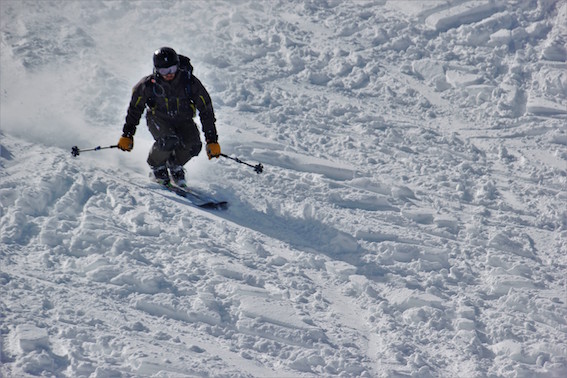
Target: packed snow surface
column 411, row 219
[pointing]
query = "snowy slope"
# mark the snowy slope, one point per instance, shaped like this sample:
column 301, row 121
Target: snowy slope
column 411, row 219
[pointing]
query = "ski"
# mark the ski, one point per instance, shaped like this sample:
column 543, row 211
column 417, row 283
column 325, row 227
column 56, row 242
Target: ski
column 196, row 198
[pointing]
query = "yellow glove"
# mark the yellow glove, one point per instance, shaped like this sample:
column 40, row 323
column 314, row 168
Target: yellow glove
column 126, row 143
column 213, row 150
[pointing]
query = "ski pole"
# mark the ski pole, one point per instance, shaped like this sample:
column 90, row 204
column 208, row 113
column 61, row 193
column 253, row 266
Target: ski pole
column 258, row 168
column 75, row 151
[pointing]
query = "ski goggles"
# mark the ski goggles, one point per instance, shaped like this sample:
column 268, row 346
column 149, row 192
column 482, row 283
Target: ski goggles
column 167, row 70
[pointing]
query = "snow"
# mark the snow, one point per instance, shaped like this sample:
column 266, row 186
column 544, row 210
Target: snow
column 411, row 219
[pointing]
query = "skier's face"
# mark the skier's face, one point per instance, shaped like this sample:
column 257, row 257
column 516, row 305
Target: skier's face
column 168, row 73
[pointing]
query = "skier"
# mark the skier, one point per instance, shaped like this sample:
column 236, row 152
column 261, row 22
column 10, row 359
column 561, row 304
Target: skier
column 171, row 96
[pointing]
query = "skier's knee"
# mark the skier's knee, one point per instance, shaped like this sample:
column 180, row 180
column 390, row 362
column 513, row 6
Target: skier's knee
column 196, row 149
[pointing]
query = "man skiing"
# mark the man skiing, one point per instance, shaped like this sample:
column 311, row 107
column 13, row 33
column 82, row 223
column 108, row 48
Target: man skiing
column 171, row 96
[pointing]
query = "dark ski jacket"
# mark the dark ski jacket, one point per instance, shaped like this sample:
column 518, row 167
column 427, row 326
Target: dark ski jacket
column 174, row 102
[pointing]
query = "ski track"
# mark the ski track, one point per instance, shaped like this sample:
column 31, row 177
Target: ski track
column 410, row 221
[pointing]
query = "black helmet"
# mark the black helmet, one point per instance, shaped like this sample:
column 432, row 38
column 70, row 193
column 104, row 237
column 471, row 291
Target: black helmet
column 165, row 57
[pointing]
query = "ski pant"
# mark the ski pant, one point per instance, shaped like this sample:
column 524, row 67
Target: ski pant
column 175, row 142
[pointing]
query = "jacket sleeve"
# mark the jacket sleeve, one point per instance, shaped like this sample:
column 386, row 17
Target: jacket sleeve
column 204, row 105
column 136, row 107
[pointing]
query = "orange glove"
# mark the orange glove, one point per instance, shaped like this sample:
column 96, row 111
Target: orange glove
column 126, row 143
column 213, row 150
